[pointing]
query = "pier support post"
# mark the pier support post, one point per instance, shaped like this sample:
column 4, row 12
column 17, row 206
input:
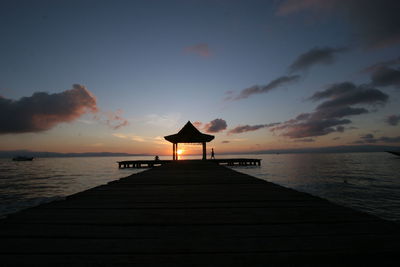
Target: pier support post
column 204, row 151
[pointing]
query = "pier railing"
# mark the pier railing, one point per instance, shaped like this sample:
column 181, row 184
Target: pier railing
column 155, row 163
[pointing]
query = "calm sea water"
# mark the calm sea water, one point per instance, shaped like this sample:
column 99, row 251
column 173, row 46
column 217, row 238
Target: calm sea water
column 368, row 182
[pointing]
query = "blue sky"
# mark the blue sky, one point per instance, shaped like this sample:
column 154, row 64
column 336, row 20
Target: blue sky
column 144, row 68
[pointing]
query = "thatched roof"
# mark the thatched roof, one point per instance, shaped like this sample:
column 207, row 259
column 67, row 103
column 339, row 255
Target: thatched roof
column 189, row 134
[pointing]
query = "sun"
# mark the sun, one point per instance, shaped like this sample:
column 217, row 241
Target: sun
column 180, row 151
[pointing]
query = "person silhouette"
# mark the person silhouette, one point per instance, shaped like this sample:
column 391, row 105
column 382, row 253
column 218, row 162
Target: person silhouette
column 212, row 153
column 156, row 158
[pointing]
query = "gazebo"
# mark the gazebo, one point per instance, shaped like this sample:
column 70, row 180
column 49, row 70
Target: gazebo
column 188, row 134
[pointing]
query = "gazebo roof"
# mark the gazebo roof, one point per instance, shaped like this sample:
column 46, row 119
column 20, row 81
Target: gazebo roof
column 189, row 134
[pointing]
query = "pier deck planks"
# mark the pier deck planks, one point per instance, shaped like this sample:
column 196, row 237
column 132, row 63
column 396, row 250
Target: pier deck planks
column 195, row 214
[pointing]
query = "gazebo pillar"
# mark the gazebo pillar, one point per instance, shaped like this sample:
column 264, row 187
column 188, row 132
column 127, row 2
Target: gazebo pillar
column 204, row 151
column 173, row 151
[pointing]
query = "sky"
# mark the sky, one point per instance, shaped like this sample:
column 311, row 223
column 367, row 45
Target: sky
column 117, row 76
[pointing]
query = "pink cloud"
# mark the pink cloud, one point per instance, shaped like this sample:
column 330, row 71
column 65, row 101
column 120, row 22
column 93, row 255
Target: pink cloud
column 289, row 7
column 201, row 49
column 197, row 124
column 112, row 119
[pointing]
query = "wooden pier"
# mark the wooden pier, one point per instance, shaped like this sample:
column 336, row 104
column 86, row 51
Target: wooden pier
column 154, row 163
column 141, row 163
column 189, row 213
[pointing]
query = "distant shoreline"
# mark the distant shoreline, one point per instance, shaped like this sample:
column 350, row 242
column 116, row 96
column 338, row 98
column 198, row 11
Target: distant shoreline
column 335, row 149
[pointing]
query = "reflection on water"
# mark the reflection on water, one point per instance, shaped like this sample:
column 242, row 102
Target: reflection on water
column 366, row 181
column 28, row 183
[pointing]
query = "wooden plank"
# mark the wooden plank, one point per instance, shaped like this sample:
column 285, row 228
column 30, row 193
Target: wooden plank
column 195, row 214
column 205, row 244
column 26, row 229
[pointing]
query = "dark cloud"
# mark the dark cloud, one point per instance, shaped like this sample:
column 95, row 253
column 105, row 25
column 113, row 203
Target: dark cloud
column 201, row 49
column 42, row 111
column 225, row 142
column 329, row 116
column 260, row 89
column 392, row 120
column 312, row 128
column 250, row 128
column 385, row 73
column 376, row 22
column 346, row 93
column 305, row 140
column 385, row 76
column 334, row 90
column 381, row 64
column 386, row 139
column 315, row 56
column 370, row 139
column 215, row 126
column 337, row 112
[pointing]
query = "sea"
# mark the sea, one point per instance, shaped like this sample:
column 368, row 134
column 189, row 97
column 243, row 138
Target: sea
column 369, row 182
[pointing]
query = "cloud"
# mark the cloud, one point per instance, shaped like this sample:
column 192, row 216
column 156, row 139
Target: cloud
column 289, row 7
column 312, row 128
column 386, row 139
column 315, row 56
column 329, row 116
column 215, row 126
column 347, row 93
column 385, row 73
column 385, row 76
column 260, row 89
column 334, row 90
column 112, row 119
column 201, row 49
column 225, row 142
column 376, row 23
column 393, row 120
column 381, row 64
column 305, row 140
column 370, row 139
column 197, row 124
column 135, row 138
column 250, row 128
column 42, row 111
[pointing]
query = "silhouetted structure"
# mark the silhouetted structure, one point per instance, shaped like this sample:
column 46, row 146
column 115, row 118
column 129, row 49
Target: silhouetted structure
column 394, row 153
column 212, row 153
column 188, row 134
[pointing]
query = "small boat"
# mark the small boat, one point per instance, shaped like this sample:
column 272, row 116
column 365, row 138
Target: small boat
column 394, row 153
column 22, row 158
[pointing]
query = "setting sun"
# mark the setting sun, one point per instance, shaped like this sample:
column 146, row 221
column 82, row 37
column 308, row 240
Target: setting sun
column 180, row 151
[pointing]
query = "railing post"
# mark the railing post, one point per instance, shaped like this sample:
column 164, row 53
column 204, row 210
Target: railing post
column 204, row 151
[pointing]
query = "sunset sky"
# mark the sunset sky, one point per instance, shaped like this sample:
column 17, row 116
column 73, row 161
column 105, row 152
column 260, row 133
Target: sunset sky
column 117, row 76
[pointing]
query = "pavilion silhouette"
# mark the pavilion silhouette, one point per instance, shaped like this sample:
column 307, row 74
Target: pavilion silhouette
column 188, row 134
